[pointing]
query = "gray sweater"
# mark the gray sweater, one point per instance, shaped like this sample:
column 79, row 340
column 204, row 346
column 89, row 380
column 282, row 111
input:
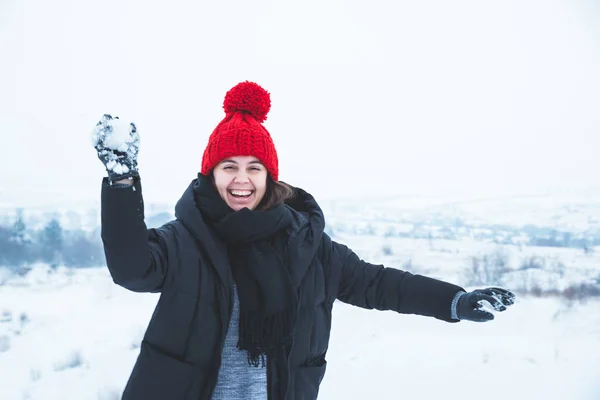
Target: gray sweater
column 237, row 379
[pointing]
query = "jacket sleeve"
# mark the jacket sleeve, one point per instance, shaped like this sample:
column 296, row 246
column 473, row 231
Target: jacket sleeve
column 369, row 286
column 136, row 256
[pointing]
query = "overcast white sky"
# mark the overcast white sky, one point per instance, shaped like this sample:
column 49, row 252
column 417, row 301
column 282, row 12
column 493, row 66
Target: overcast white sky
column 368, row 98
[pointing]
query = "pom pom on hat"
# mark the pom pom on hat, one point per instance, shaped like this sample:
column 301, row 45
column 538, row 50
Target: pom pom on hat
column 248, row 97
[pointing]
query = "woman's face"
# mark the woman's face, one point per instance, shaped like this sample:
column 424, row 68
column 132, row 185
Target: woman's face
column 241, row 181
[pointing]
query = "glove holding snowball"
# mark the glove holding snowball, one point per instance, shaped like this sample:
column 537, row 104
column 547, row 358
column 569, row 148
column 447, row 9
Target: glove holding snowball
column 117, row 144
column 470, row 306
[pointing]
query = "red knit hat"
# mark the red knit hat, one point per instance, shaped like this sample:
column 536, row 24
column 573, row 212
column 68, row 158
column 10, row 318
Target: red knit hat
column 241, row 132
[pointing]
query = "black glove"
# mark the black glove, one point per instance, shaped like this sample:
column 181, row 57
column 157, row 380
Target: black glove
column 117, row 146
column 469, row 304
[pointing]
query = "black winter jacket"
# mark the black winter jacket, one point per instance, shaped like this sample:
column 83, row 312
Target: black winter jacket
column 187, row 263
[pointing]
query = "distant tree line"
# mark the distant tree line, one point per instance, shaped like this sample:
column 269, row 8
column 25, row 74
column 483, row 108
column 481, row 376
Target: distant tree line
column 528, row 235
column 51, row 244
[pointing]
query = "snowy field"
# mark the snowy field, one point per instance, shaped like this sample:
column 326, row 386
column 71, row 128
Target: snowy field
column 75, row 335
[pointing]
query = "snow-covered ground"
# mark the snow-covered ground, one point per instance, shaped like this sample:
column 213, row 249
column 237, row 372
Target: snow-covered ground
column 75, row 335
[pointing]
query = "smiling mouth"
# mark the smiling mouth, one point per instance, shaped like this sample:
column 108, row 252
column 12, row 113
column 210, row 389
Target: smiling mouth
column 241, row 194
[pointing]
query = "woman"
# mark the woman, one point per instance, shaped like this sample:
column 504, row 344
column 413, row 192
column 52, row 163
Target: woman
column 246, row 274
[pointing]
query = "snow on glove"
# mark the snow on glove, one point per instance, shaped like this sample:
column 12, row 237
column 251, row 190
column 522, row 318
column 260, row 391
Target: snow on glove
column 470, row 304
column 117, row 144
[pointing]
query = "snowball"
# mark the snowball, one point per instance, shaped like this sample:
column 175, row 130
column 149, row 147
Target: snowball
column 120, row 136
column 117, row 145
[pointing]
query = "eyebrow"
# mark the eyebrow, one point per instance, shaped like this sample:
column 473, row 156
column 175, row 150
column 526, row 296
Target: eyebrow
column 235, row 162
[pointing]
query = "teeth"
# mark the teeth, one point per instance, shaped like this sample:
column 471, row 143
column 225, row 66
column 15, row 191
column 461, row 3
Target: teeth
column 241, row 192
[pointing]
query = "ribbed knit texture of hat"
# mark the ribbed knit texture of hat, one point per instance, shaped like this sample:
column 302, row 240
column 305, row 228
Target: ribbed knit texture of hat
column 241, row 132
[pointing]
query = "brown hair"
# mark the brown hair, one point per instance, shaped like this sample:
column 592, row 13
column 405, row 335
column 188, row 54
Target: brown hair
column 275, row 194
